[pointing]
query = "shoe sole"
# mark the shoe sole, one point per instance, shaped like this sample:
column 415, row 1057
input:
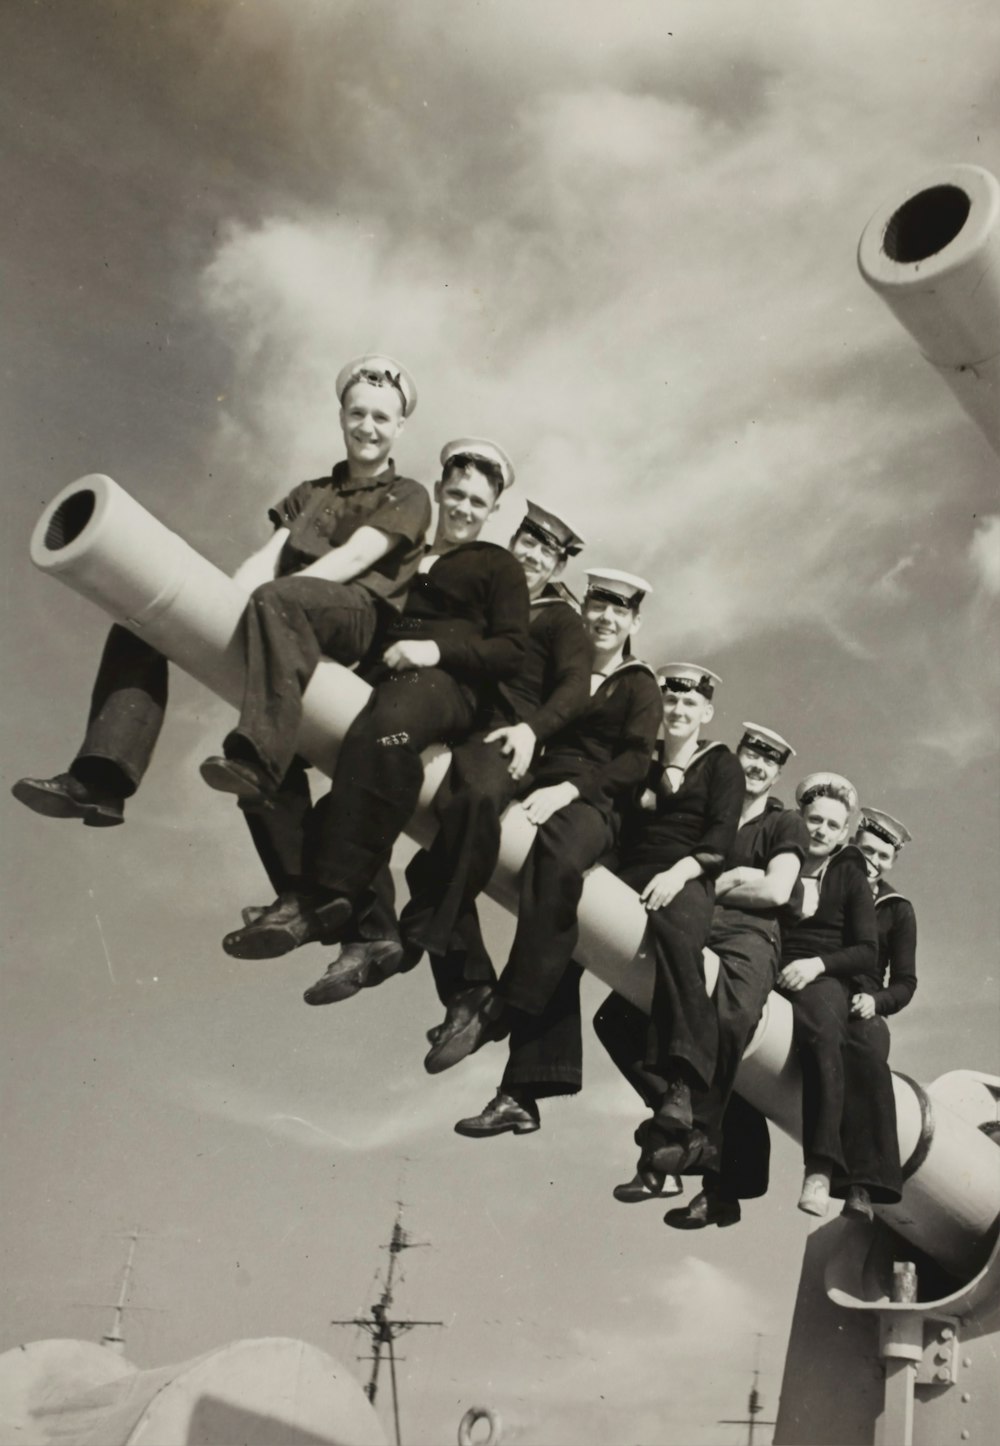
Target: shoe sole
column 679, row 1223
column 217, row 776
column 629, row 1196
column 334, row 990
column 471, row 1133
column 56, row 805
column 454, row 1049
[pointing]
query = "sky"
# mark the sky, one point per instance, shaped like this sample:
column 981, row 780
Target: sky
column 622, row 241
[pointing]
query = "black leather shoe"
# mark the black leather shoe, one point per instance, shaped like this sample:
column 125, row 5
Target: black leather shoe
column 704, row 1209
column 673, row 1154
column 675, row 1107
column 858, row 1203
column 501, row 1114
column 648, row 1185
column 290, row 923
column 232, row 775
column 477, row 1018
column 66, row 797
column 360, row 965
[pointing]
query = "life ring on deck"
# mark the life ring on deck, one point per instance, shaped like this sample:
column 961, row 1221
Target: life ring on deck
column 471, row 1420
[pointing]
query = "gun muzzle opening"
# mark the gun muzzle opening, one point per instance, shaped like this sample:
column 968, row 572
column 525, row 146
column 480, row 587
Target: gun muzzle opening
column 926, row 224
column 69, row 519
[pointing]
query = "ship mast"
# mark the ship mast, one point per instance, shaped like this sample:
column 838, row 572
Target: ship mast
column 754, row 1406
column 381, row 1326
column 114, row 1339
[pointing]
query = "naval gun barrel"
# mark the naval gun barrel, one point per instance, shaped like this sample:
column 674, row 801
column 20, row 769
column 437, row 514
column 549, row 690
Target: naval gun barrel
column 932, row 254
column 101, row 543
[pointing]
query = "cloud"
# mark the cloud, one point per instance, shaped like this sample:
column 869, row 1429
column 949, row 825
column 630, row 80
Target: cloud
column 637, row 270
column 984, row 554
column 691, row 1312
column 406, row 1111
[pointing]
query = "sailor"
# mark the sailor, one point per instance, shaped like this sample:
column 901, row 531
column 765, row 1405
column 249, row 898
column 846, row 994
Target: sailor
column 674, row 845
column 487, row 773
column 352, row 540
column 587, row 771
column 885, row 991
column 750, row 896
column 464, row 628
column 880, row 837
column 851, row 1151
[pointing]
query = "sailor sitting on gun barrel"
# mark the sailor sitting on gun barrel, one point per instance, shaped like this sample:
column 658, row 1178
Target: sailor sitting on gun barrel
column 487, row 772
column 751, row 896
column 868, row 1138
column 464, row 626
column 586, row 771
column 674, row 844
column 343, row 548
column 849, row 1137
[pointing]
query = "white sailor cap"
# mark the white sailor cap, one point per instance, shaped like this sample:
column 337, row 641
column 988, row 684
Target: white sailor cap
column 827, row 785
column 625, row 589
column 379, row 371
column 767, row 742
column 687, row 678
column 884, row 826
column 480, row 449
column 551, row 530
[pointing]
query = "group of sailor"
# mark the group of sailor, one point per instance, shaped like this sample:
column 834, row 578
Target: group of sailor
column 544, row 701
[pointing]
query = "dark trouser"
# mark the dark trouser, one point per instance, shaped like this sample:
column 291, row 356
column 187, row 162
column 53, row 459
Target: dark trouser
column 682, row 1031
column 446, row 879
column 748, row 947
column 819, row 1017
column 749, row 954
column 289, row 625
column 868, row 1131
column 868, row 1143
column 350, row 833
column 540, row 982
column 277, row 833
column 746, row 1145
column 126, row 715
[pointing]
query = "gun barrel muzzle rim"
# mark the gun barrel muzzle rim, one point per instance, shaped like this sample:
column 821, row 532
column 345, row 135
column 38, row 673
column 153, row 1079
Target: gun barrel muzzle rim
column 932, row 229
column 66, row 526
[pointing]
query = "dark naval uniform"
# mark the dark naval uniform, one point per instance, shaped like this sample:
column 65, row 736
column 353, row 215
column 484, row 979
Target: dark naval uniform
column 605, row 752
column 892, row 984
column 748, row 943
column 472, row 602
column 897, row 951
column 857, row 1132
column 548, row 691
column 696, row 819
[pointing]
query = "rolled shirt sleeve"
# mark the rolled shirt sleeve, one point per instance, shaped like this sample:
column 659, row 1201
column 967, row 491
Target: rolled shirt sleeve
column 405, row 512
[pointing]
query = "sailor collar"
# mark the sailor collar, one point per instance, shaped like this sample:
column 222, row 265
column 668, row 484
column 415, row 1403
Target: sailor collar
column 705, row 745
column 623, row 667
column 344, row 482
column 889, row 895
column 554, row 592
